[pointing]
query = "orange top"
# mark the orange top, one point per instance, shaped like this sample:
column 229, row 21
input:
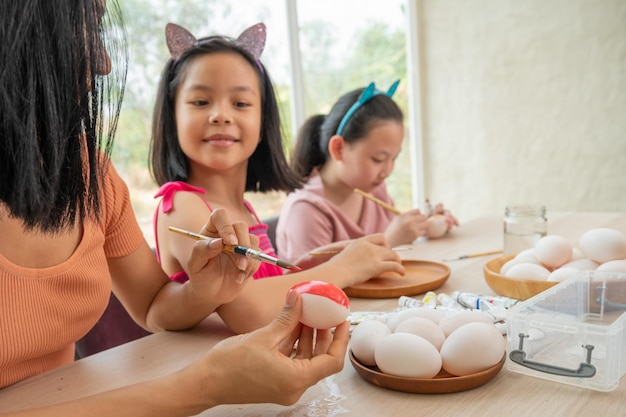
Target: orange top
column 44, row 311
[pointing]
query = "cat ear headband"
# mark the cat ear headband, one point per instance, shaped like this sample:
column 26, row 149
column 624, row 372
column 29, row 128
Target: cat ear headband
column 369, row 93
column 179, row 40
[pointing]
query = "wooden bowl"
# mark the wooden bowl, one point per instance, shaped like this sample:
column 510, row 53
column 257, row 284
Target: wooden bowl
column 421, row 276
column 443, row 383
column 519, row 289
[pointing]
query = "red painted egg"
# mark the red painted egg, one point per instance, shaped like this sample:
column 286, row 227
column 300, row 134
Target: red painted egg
column 324, row 305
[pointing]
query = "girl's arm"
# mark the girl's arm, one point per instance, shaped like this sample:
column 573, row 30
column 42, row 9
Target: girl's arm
column 157, row 303
column 259, row 302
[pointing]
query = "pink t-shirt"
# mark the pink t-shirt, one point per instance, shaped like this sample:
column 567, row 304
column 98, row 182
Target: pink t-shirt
column 168, row 190
column 308, row 220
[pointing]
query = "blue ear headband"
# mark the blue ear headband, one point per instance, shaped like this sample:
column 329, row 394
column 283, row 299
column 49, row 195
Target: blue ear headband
column 367, row 94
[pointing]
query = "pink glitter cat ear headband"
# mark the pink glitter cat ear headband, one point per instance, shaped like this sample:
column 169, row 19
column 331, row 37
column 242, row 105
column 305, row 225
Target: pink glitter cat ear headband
column 179, row 40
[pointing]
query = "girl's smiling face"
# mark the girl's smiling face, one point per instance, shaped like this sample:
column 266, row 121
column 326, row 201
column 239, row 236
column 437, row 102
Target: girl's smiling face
column 367, row 162
column 218, row 112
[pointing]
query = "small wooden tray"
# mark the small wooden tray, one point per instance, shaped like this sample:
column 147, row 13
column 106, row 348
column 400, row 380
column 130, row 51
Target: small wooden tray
column 420, row 277
column 520, row 289
column 443, row 383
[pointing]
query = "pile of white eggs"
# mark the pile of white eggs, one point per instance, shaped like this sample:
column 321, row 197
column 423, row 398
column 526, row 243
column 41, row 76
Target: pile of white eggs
column 554, row 258
column 421, row 342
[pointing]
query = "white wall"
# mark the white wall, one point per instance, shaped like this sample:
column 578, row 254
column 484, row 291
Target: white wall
column 524, row 101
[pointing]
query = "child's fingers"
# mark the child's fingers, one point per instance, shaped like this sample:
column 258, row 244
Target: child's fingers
column 203, row 251
column 220, row 224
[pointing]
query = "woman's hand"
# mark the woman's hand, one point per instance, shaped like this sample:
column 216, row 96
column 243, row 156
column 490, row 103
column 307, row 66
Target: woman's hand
column 217, row 275
column 265, row 365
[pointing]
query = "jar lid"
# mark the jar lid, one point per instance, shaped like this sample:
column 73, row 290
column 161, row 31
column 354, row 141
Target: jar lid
column 525, row 210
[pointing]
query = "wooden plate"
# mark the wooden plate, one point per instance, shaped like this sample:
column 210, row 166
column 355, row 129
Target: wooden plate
column 520, row 289
column 421, row 276
column 443, row 383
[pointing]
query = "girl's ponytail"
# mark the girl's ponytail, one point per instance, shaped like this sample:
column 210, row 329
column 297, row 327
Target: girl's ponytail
column 309, row 152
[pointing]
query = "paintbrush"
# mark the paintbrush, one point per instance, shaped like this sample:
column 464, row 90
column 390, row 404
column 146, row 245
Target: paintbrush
column 335, row 252
column 473, row 255
column 377, row 201
column 240, row 250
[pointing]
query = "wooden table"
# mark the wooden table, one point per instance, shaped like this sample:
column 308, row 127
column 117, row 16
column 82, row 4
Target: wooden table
column 509, row 394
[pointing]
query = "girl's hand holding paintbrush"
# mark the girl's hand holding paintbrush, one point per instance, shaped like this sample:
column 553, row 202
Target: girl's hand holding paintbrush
column 215, row 275
column 407, row 226
column 412, row 224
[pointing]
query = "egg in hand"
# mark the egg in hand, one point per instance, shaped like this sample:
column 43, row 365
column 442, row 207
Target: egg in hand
column 437, row 226
column 324, row 305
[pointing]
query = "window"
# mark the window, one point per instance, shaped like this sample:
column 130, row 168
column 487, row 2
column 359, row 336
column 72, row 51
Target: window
column 342, row 45
column 348, row 44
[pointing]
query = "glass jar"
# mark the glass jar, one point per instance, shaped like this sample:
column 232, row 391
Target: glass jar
column 524, row 225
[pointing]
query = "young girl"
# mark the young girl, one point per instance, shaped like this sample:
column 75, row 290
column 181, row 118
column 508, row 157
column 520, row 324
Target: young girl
column 216, row 134
column 353, row 147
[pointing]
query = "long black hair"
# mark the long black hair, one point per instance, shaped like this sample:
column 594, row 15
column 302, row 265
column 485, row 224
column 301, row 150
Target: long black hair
column 56, row 112
column 311, row 150
column 268, row 169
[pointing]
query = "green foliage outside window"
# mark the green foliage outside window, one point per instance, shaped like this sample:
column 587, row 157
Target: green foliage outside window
column 376, row 53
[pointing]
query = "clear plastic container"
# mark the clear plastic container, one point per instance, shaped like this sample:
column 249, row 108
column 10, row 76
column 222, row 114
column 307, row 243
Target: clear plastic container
column 524, row 225
column 573, row 333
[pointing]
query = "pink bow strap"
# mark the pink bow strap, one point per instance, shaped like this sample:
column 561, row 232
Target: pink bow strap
column 168, row 190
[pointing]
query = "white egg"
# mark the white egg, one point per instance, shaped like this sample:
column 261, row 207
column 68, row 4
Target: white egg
column 437, row 226
column 613, row 266
column 528, row 255
column 526, row 252
column 426, row 312
column 515, row 261
column 563, row 273
column 320, row 312
column 603, row 245
column 577, row 254
column 324, row 305
column 422, row 327
column 528, row 271
column 407, row 355
column 553, row 251
column 364, row 338
column 472, row 348
column 457, row 319
column 582, row 265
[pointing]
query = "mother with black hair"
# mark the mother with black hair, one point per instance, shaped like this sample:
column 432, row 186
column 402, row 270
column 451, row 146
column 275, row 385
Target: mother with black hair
column 70, row 211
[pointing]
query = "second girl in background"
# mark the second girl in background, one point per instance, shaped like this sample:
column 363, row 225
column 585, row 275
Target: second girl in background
column 216, row 135
column 355, row 146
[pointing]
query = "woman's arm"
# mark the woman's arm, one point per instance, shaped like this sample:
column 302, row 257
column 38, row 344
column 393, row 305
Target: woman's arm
column 213, row 380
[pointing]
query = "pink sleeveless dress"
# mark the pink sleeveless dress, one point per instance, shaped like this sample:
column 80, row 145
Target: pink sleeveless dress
column 167, row 192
